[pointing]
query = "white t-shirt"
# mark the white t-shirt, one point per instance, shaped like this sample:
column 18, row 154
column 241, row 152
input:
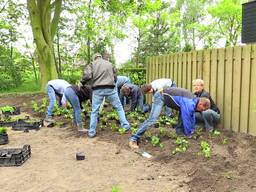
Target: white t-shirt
column 161, row 84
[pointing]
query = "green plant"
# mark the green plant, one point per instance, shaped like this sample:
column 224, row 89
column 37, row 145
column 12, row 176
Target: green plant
column 205, row 149
column 115, row 189
column 7, row 108
column 215, row 133
column 134, row 130
column 163, row 131
column 198, row 132
column 122, row 131
column 41, row 108
column 114, row 127
column 182, row 145
column 225, row 141
column 3, row 130
column 155, row 140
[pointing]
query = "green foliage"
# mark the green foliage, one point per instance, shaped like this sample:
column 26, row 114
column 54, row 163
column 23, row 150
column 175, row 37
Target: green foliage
column 205, row 149
column 3, row 130
column 134, row 129
column 137, row 75
column 122, row 131
column 182, row 145
column 116, row 189
column 7, row 108
column 40, row 107
column 155, row 141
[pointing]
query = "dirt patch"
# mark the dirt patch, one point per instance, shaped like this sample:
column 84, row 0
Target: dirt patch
column 109, row 162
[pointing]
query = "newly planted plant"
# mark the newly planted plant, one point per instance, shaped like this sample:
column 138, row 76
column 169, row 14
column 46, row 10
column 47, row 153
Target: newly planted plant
column 163, row 132
column 134, row 130
column 3, row 130
column 7, row 108
column 182, row 145
column 155, row 141
column 205, row 149
column 122, row 131
column 114, row 127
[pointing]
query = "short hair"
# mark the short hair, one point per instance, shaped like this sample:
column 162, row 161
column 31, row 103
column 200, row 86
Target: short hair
column 95, row 56
column 125, row 90
column 146, row 88
column 196, row 81
column 106, row 56
column 205, row 101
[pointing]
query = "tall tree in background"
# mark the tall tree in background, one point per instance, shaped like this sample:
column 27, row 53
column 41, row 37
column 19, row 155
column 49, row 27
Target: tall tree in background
column 44, row 17
column 227, row 15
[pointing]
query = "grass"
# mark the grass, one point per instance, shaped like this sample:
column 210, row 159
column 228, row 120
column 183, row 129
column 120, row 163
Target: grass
column 25, row 88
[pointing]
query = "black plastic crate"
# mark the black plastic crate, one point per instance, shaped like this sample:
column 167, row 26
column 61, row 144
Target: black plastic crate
column 4, row 138
column 22, row 125
column 15, row 156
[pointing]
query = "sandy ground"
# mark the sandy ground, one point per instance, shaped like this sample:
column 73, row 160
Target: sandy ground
column 53, row 166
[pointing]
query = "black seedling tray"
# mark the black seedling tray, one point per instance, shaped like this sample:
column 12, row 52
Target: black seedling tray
column 15, row 156
column 4, row 138
column 22, row 125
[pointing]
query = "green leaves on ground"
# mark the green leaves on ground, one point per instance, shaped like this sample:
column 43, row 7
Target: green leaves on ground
column 182, row 145
column 205, row 149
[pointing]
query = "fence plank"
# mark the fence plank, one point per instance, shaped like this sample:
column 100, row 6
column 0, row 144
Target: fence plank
column 171, row 66
column 189, row 71
column 180, row 69
column 228, row 88
column 252, row 112
column 194, row 65
column 206, row 69
column 220, row 81
column 213, row 78
column 236, row 89
column 184, row 70
column 175, row 67
column 245, row 87
column 199, row 64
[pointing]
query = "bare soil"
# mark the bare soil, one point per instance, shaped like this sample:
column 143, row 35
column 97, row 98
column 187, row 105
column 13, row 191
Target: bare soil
column 110, row 163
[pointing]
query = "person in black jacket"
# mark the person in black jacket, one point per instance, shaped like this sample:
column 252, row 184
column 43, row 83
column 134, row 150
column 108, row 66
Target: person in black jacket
column 76, row 96
column 211, row 117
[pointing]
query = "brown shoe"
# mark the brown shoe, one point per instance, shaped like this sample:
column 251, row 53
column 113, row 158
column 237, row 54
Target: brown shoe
column 133, row 145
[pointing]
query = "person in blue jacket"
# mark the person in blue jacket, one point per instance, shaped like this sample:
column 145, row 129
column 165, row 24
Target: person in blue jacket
column 175, row 98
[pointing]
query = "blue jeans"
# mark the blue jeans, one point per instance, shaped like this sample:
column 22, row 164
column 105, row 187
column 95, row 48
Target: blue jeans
column 52, row 98
column 74, row 101
column 97, row 98
column 209, row 117
column 153, row 116
column 168, row 110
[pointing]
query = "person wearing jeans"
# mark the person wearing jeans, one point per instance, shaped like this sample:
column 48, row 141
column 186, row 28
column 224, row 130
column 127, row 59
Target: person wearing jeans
column 76, row 96
column 55, row 87
column 157, row 85
column 176, row 98
column 211, row 117
column 102, row 75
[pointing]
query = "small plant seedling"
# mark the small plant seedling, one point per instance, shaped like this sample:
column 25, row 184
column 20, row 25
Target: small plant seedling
column 116, row 189
column 205, row 149
column 3, row 130
column 225, row 141
column 163, row 132
column 155, row 141
column 182, row 145
column 7, row 108
column 114, row 127
column 134, row 130
column 122, row 131
column 172, row 135
column 216, row 133
column 148, row 134
column 228, row 176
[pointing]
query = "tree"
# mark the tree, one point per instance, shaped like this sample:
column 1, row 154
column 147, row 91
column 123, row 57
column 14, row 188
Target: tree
column 44, row 17
column 228, row 16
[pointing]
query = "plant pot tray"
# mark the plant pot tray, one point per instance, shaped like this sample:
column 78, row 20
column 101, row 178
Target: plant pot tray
column 22, row 125
column 4, row 138
column 14, row 156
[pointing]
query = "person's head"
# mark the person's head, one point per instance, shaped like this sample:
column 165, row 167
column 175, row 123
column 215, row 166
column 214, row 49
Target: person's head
column 125, row 90
column 96, row 56
column 198, row 85
column 203, row 104
column 147, row 88
column 106, row 56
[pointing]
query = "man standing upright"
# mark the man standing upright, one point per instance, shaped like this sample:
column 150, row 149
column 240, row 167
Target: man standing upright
column 210, row 117
column 102, row 75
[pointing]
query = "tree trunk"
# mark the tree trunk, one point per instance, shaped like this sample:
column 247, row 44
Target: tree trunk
column 44, row 27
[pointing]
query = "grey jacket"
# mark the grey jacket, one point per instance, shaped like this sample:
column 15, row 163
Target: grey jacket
column 101, row 73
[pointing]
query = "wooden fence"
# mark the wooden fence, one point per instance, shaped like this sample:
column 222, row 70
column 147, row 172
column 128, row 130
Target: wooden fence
column 229, row 75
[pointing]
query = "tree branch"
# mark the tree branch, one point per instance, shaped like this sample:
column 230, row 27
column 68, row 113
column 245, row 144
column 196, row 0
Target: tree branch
column 56, row 17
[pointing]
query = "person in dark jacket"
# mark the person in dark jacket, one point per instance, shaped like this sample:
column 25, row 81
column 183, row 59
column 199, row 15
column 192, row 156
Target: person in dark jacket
column 76, row 96
column 102, row 75
column 175, row 98
column 211, row 117
column 134, row 93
